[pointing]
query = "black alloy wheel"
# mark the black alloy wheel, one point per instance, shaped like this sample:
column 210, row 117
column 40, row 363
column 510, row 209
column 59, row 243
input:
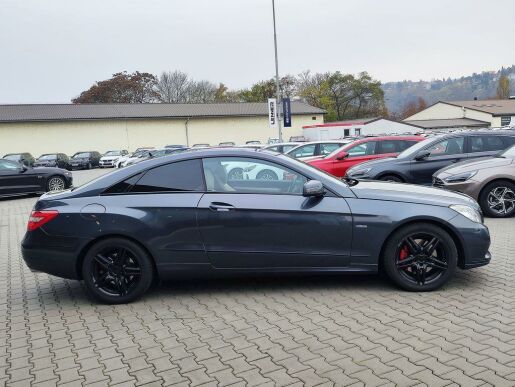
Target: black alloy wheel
column 420, row 257
column 117, row 271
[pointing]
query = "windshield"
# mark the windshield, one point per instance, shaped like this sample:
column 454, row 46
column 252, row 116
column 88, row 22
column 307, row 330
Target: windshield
column 338, row 150
column 47, row 157
column 15, row 157
column 113, row 153
column 158, row 153
column 81, row 155
column 415, row 148
column 510, row 152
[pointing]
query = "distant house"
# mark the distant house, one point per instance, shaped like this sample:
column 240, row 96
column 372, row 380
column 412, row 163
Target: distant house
column 358, row 127
column 465, row 115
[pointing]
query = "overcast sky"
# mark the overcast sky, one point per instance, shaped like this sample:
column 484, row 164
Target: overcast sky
column 52, row 50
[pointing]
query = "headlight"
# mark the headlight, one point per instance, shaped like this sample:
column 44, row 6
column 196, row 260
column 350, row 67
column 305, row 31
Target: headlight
column 460, row 177
column 359, row 172
column 468, row 212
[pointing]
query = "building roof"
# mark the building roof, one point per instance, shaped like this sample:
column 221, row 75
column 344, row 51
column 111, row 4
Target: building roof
column 496, row 107
column 358, row 121
column 62, row 112
column 449, row 123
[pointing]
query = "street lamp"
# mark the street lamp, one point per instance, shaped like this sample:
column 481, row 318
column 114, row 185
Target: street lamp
column 277, row 89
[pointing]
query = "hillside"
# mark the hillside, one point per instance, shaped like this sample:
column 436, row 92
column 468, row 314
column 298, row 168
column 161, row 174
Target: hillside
column 482, row 86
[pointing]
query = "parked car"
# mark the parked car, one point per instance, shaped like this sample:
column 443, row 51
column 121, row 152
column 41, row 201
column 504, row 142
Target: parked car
column 359, row 151
column 18, row 179
column 201, row 145
column 253, row 142
column 134, row 158
column 490, row 180
column 273, row 140
column 298, row 139
column 85, row 160
column 315, row 148
column 153, row 153
column 123, row 159
column 109, row 159
column 227, row 143
column 418, row 163
column 59, row 160
column 24, row 158
column 175, row 146
column 281, row 147
column 181, row 215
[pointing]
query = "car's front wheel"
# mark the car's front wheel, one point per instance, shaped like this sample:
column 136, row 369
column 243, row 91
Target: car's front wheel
column 420, row 257
column 497, row 199
column 55, row 183
column 393, row 178
column 117, row 271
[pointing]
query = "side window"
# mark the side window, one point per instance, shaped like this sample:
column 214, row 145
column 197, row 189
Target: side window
column 326, row 149
column 123, row 186
column 363, row 149
column 6, row 165
column 274, row 149
column 494, row 143
column 405, row 144
column 304, row 151
column 247, row 175
column 181, row 176
column 451, row 146
column 388, row 146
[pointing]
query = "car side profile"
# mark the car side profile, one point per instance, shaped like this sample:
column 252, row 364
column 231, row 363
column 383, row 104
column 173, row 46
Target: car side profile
column 489, row 180
column 182, row 215
column 418, row 163
column 369, row 148
column 281, row 147
column 58, row 160
column 85, row 160
column 18, row 179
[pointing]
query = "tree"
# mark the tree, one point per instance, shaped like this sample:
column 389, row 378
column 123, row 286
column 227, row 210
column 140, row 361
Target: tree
column 503, row 88
column 121, row 88
column 413, row 107
column 172, row 87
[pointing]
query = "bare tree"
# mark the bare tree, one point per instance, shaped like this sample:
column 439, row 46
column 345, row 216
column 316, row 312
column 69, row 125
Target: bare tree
column 173, row 86
column 201, row 92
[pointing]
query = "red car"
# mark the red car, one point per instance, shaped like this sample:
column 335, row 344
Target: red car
column 362, row 150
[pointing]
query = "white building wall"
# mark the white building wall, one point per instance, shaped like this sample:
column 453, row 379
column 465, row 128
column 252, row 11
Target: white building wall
column 381, row 126
column 389, row 127
column 102, row 135
column 445, row 111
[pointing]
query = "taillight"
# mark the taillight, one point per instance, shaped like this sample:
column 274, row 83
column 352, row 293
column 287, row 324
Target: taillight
column 39, row 218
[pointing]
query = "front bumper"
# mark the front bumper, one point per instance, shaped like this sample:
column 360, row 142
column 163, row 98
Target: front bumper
column 468, row 187
column 107, row 163
column 79, row 165
column 474, row 242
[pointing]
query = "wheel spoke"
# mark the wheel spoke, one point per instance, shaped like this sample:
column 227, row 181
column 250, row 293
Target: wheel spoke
column 413, row 245
column 103, row 261
column 436, row 263
column 405, row 263
column 122, row 285
column 102, row 279
column 421, row 275
column 429, row 247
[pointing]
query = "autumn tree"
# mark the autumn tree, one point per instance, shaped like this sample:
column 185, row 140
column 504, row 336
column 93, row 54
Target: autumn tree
column 172, row 86
column 413, row 107
column 503, row 88
column 137, row 87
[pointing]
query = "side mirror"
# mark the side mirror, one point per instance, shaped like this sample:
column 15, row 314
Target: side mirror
column 313, row 188
column 342, row 155
column 423, row 154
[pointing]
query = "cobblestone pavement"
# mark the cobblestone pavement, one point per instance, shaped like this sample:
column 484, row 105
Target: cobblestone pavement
column 345, row 330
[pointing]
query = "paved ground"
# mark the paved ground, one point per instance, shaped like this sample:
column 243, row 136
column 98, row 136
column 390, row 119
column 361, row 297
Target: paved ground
column 275, row 331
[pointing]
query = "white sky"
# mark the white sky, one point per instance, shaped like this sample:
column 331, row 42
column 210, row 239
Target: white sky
column 51, row 50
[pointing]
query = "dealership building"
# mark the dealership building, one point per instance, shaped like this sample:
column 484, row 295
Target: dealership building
column 465, row 115
column 70, row 128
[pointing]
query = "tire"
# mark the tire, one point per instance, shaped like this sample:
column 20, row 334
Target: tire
column 55, row 183
column 497, row 199
column 103, row 271
column 89, row 166
column 393, row 178
column 235, row 174
column 267, row 174
column 420, row 272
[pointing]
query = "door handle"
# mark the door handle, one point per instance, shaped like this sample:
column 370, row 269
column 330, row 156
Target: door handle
column 221, row 207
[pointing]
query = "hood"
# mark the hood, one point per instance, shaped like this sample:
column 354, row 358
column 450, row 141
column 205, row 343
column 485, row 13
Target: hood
column 476, row 164
column 409, row 193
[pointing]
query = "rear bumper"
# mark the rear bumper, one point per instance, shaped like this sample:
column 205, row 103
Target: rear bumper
column 53, row 255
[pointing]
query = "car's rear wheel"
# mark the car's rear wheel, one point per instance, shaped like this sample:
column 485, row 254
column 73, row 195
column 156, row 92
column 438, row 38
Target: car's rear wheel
column 420, row 257
column 117, row 271
column 393, row 178
column 497, row 199
column 267, row 174
column 89, row 166
column 55, row 183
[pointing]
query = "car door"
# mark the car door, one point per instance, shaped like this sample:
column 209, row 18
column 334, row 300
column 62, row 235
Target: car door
column 246, row 222
column 165, row 198
column 357, row 154
column 441, row 154
column 15, row 179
